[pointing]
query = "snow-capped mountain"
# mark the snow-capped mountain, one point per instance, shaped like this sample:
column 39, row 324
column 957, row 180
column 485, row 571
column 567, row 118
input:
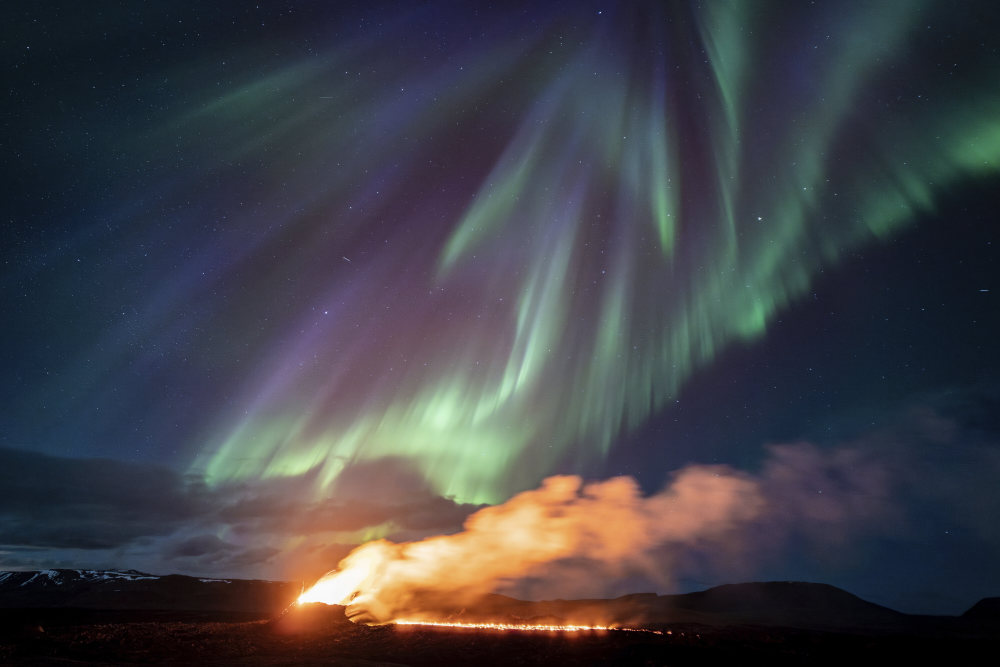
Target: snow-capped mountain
column 131, row 589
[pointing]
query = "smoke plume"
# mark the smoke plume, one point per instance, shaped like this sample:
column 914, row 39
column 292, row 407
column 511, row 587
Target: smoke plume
column 563, row 530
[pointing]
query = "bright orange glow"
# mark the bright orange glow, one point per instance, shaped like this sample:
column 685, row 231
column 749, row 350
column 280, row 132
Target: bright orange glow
column 526, row 627
column 609, row 524
column 336, row 587
column 507, row 626
column 341, row 587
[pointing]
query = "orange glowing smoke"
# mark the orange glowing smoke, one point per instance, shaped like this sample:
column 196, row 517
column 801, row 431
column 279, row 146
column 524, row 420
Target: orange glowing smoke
column 338, row 587
column 608, row 525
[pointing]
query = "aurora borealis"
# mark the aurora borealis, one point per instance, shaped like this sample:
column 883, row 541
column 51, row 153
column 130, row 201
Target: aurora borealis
column 455, row 249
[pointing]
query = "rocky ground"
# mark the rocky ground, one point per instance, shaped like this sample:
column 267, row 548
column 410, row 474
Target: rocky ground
column 122, row 617
column 322, row 636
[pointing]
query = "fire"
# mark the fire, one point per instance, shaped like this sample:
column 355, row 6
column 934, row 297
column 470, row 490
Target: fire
column 506, row 626
column 609, row 525
column 358, row 573
column 337, row 587
column 526, row 627
column 341, row 587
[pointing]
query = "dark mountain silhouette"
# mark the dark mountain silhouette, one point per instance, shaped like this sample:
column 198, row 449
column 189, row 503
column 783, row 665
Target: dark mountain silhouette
column 767, row 604
column 987, row 609
column 130, row 589
column 797, row 605
column 101, row 617
column 789, row 604
column 783, row 604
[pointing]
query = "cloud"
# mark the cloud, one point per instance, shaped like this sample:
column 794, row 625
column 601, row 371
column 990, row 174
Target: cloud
column 945, row 458
column 370, row 493
column 50, row 501
column 855, row 513
column 886, row 504
column 209, row 553
column 566, row 535
column 198, row 546
column 571, row 538
column 827, row 496
column 101, row 512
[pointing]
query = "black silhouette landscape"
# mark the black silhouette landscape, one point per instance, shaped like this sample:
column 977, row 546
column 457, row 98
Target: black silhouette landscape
column 92, row 617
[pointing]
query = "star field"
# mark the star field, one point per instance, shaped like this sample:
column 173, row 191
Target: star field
column 460, row 248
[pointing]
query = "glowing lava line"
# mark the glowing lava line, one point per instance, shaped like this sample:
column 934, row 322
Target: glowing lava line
column 525, row 627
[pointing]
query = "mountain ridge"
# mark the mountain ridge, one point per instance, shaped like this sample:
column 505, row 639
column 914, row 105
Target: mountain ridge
column 120, row 589
column 773, row 603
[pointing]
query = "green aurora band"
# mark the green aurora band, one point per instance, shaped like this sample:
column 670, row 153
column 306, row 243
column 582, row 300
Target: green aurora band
column 620, row 199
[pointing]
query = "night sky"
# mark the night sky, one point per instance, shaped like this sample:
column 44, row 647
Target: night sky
column 281, row 278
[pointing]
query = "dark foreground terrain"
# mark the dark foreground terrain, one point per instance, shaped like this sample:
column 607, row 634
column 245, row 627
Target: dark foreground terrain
column 316, row 635
column 80, row 617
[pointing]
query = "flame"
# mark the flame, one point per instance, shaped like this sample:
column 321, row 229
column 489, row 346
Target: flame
column 336, row 587
column 527, row 627
column 505, row 626
column 340, row 587
column 608, row 525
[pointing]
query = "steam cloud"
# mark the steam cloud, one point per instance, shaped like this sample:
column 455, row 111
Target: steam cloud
column 561, row 530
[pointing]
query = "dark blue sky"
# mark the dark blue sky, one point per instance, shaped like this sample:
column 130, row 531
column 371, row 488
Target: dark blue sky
column 279, row 279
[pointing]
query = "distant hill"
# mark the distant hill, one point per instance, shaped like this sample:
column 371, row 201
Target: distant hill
column 987, row 609
column 788, row 604
column 791, row 605
column 784, row 604
column 766, row 604
column 130, row 589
